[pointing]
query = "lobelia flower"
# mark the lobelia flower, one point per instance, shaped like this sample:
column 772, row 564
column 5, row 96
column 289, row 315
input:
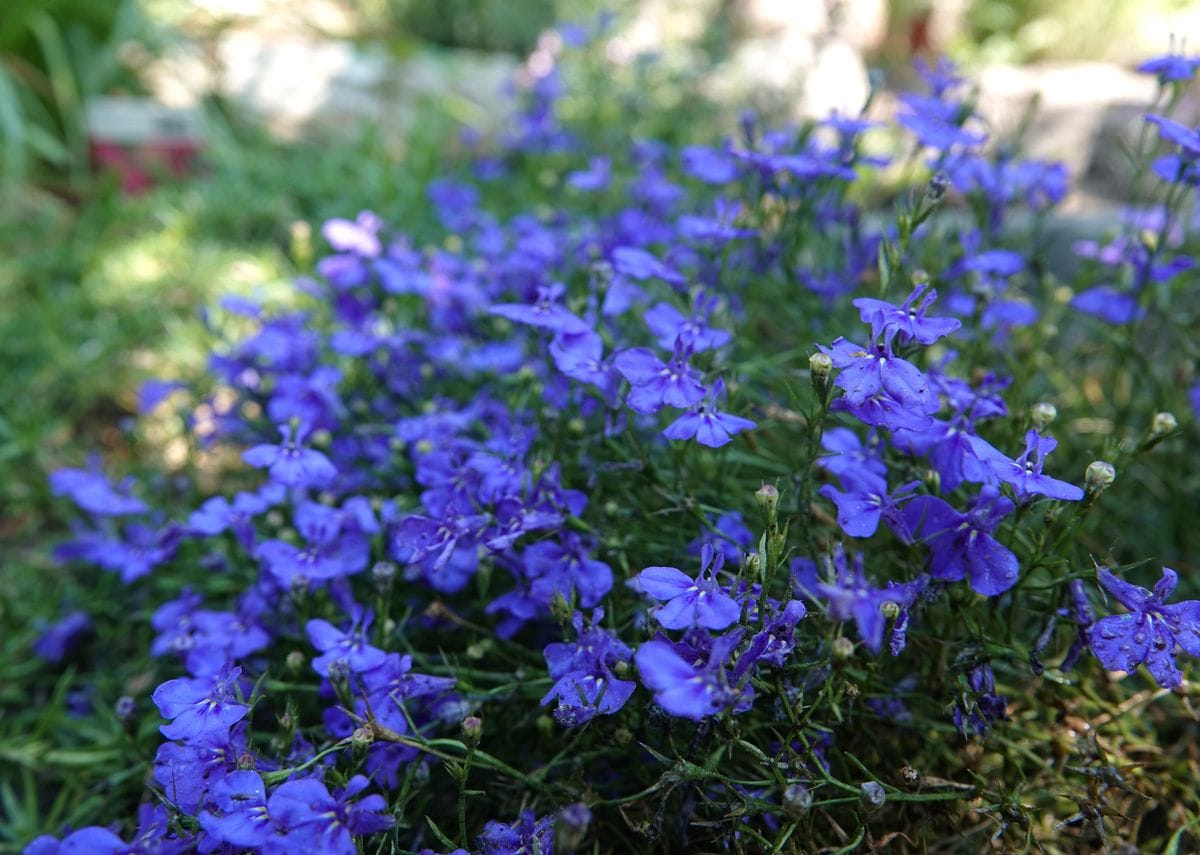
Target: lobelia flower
column 736, row 537
column 961, row 544
column 1025, row 474
column 669, row 324
column 708, row 425
column 580, row 356
column 657, row 384
column 524, row 837
column 187, row 770
column 1171, row 66
column 689, row 602
column 290, row 463
column 200, row 706
column 1150, row 632
column 865, row 501
column 329, row 551
column 693, row 687
column 984, row 708
column 236, row 810
column 60, row 637
column 544, row 313
column 348, row 649
column 91, row 491
column 313, row 820
column 851, row 596
column 907, row 320
column 584, row 683
column 869, row 372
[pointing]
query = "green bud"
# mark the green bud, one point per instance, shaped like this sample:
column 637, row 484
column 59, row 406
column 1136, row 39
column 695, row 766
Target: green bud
column 294, row 660
column 843, row 650
column 362, row 737
column 472, row 729
column 1042, row 414
column 1099, row 477
column 820, row 366
column 890, row 610
column 767, row 497
column 1163, row 424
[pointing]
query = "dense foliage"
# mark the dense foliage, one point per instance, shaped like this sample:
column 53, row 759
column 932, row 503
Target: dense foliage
column 704, row 510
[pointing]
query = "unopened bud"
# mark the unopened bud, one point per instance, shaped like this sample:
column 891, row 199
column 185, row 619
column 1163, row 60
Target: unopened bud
column 560, row 608
column 843, row 649
column 872, row 796
column 382, row 573
column 245, row 761
column 621, row 669
column 919, row 277
column 768, row 502
column 1162, row 424
column 820, row 365
column 362, row 737
column 937, row 187
column 753, row 563
column 891, row 610
column 1042, row 414
column 294, row 660
column 910, row 776
column 1099, row 476
column 571, row 827
column 797, row 799
column 472, row 729
column 602, row 275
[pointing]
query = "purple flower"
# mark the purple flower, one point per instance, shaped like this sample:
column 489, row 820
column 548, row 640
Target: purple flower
column 290, row 463
column 1150, row 632
column 328, row 551
column 657, row 384
column 1108, row 304
column 708, row 425
column 907, row 319
column 1186, row 139
column 709, row 165
column 62, row 635
column 689, row 602
column 236, row 810
column 668, row 324
column 348, row 649
column 692, row 687
column 852, row 597
column 524, row 837
column 865, row 501
column 594, row 178
column 869, row 372
column 961, row 544
column 200, row 706
column 579, row 355
column 91, row 491
column 312, row 820
column 544, row 313
column 1171, row 66
column 1025, row 473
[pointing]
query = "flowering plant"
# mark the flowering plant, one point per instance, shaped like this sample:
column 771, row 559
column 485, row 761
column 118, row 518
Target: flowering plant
column 680, row 516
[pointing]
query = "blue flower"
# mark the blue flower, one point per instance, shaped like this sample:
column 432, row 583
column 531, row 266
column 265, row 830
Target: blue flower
column 1150, row 632
column 694, row 687
column 236, row 812
column 657, row 384
column 961, row 544
column 706, row 423
column 690, row 602
column 200, row 706
column 290, row 463
column 91, row 491
column 1025, row 473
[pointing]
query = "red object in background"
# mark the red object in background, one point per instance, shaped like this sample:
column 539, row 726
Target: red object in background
column 142, row 140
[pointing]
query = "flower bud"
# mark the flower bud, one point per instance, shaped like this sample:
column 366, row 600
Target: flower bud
column 890, row 610
column 571, row 827
column 1042, row 414
column 382, row 574
column 919, row 277
column 1162, row 424
column 910, row 776
column 872, row 796
column 294, row 660
column 472, row 729
column 246, row 761
column 937, row 187
column 1099, row 477
column 362, row 737
column 797, row 799
column 560, row 609
column 843, row 649
column 768, row 502
column 820, row 365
